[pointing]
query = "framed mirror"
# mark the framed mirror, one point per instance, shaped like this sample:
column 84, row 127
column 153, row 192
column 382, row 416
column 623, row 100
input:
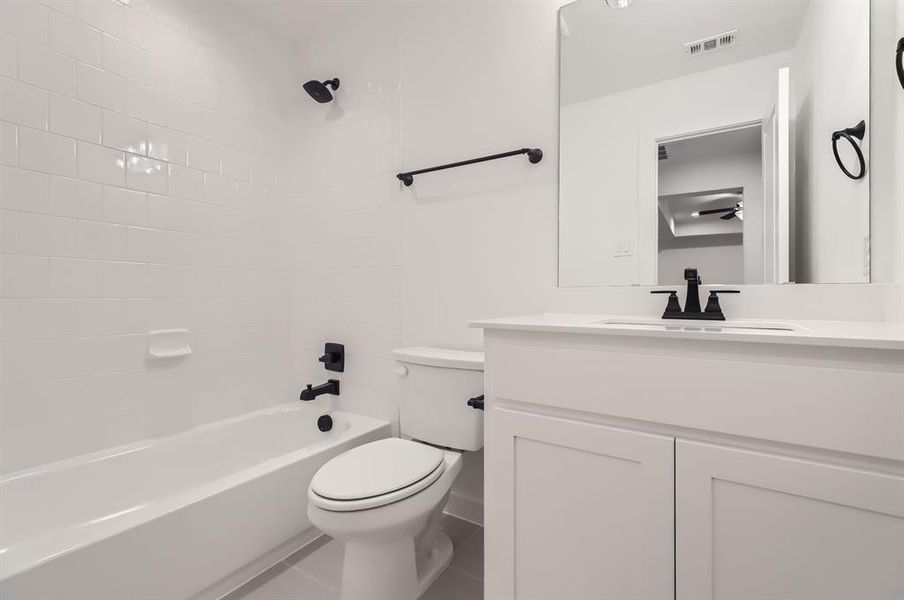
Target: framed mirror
column 719, row 134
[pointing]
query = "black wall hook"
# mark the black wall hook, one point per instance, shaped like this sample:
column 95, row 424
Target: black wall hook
column 857, row 131
column 534, row 155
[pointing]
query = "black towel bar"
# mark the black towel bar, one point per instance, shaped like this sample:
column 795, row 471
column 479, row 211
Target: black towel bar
column 535, row 155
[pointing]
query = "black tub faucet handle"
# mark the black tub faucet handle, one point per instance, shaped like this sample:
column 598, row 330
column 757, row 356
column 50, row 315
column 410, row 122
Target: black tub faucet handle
column 333, row 358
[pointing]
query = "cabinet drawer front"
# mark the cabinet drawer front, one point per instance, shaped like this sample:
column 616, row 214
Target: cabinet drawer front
column 771, row 393
column 757, row 525
column 578, row 510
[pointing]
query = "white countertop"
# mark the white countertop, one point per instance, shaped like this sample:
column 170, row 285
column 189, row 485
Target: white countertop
column 848, row 334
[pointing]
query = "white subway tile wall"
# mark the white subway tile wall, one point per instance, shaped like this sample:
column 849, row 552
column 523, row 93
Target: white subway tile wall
column 144, row 185
column 348, row 277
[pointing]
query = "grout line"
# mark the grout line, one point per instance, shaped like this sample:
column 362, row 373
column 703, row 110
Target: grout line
column 465, row 574
column 314, row 579
column 308, row 574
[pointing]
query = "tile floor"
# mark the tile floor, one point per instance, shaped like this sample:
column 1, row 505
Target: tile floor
column 314, row 572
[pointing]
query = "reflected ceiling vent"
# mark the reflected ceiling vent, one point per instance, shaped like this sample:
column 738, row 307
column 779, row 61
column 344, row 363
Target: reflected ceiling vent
column 711, row 43
column 663, row 153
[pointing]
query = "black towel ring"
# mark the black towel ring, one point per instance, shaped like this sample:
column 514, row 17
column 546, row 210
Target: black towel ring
column 899, row 61
column 857, row 131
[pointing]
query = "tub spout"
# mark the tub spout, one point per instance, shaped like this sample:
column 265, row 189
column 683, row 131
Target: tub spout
column 311, row 392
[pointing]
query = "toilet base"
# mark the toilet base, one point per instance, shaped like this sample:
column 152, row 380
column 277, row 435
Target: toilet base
column 390, row 570
column 434, row 563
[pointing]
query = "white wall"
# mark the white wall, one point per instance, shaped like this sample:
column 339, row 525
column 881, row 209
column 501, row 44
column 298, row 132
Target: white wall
column 347, row 223
column 600, row 201
column 396, row 266
column 722, row 263
column 141, row 188
column 830, row 91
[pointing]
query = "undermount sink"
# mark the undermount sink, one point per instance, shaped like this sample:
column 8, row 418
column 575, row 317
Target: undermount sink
column 709, row 326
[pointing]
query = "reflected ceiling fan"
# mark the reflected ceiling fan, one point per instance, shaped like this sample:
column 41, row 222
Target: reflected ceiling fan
column 730, row 213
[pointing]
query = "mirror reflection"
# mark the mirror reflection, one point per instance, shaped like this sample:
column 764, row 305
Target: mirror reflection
column 703, row 183
column 699, row 133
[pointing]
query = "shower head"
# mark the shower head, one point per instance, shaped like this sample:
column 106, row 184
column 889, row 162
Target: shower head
column 320, row 91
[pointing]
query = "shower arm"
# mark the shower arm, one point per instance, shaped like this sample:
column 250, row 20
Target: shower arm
column 535, row 155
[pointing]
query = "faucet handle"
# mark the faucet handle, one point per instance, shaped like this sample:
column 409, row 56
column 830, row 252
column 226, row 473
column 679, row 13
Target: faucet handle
column 333, row 358
column 712, row 303
column 672, row 307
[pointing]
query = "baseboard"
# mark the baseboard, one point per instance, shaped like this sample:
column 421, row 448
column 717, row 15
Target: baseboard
column 465, row 508
column 244, row 574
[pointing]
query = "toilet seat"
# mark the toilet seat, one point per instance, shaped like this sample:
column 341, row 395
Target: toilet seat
column 376, row 474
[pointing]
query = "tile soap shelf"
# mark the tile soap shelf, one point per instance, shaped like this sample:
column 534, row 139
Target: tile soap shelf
column 168, row 344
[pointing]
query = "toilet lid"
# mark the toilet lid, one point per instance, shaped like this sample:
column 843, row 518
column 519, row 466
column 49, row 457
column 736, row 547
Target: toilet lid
column 376, row 469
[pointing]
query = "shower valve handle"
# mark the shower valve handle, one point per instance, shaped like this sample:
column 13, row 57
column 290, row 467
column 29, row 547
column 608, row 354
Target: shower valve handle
column 329, row 357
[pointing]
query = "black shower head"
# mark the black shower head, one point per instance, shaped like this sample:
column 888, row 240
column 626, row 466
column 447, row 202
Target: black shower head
column 319, row 91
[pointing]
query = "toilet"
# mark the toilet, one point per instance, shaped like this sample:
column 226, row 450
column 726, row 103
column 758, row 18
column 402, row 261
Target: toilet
column 384, row 500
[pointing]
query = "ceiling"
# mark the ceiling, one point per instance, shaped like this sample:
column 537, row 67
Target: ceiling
column 605, row 50
column 681, row 207
column 739, row 142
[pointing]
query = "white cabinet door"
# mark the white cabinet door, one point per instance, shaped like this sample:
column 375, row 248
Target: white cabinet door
column 577, row 511
column 758, row 526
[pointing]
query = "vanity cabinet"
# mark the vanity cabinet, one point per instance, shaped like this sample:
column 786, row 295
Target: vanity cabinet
column 760, row 525
column 582, row 510
column 621, row 467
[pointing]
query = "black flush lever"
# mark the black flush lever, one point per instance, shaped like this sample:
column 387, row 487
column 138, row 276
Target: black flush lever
column 476, row 402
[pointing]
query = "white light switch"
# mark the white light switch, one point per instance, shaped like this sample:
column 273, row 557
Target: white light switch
column 622, row 248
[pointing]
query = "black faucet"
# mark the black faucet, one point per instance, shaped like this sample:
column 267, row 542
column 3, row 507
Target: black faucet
column 713, row 311
column 311, row 392
column 692, row 299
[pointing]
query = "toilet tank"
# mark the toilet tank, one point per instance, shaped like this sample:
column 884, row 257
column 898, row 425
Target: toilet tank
column 434, row 388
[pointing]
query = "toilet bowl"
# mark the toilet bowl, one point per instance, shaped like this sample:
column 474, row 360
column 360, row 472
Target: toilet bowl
column 393, row 549
column 384, row 500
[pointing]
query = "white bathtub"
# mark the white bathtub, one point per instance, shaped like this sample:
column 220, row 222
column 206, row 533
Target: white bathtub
column 186, row 516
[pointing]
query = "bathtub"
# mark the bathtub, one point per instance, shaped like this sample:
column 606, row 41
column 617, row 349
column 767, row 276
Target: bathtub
column 191, row 515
